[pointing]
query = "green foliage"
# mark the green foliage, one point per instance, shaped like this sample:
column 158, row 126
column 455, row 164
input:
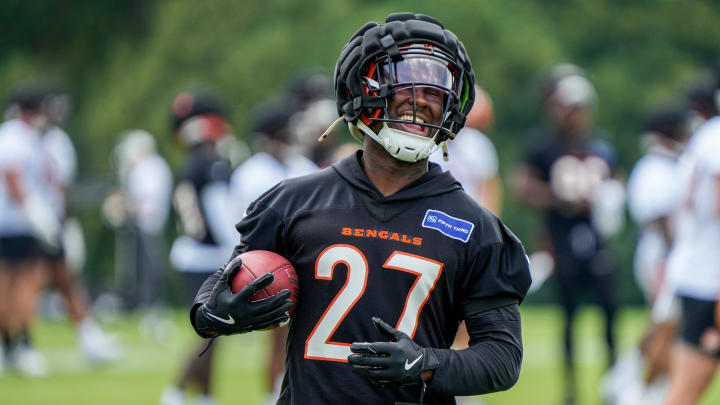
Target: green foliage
column 125, row 60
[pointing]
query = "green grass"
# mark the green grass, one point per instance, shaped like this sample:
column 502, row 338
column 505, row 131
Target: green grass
column 150, row 365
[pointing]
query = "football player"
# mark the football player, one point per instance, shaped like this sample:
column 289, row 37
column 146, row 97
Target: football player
column 391, row 253
column 276, row 157
column 640, row 376
column 563, row 174
column 29, row 227
column 140, row 208
column 65, row 263
column 314, row 110
column 200, row 200
column 692, row 266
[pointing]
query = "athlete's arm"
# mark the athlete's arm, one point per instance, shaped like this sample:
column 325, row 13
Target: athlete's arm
column 490, row 364
column 42, row 219
column 532, row 189
column 12, row 179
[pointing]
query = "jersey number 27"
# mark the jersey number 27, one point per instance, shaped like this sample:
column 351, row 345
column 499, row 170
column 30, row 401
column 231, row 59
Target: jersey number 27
column 318, row 345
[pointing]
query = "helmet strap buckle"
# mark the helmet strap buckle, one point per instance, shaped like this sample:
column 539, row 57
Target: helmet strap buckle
column 388, row 42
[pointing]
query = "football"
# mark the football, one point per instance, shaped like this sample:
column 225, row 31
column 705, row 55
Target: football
column 255, row 263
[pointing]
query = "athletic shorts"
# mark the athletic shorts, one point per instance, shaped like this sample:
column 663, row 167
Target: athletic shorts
column 697, row 326
column 54, row 255
column 14, row 249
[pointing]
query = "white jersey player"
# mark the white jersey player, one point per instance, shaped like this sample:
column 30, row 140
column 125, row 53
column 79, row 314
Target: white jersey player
column 472, row 158
column 143, row 205
column 29, row 229
column 274, row 161
column 652, row 199
column 640, row 376
column 692, row 263
column 693, row 266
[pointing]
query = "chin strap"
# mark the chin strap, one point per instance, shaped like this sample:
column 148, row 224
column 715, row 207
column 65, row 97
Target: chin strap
column 369, row 132
column 330, row 129
column 361, row 129
column 401, row 145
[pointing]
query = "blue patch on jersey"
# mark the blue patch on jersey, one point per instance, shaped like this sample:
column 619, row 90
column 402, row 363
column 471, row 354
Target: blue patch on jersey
column 455, row 228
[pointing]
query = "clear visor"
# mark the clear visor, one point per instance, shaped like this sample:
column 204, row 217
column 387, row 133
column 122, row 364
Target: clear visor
column 420, row 70
column 417, row 75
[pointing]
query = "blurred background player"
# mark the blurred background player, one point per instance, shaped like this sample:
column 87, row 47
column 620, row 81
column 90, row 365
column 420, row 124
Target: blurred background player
column 309, row 124
column 313, row 107
column 207, row 233
column 473, row 160
column 277, row 157
column 640, row 377
column 139, row 209
column 29, row 227
column 565, row 172
column 702, row 99
column 692, row 265
column 67, row 261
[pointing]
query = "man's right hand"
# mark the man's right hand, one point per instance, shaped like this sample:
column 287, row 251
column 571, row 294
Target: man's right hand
column 226, row 313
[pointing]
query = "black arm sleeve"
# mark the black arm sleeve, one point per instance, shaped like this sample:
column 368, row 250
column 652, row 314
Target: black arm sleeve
column 491, row 363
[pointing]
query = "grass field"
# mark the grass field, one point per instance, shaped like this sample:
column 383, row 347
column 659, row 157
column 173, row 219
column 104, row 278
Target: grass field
column 149, row 365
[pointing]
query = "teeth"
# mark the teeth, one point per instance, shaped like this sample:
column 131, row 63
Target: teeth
column 408, row 117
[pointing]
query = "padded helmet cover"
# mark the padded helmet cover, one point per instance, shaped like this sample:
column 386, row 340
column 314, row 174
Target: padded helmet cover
column 375, row 39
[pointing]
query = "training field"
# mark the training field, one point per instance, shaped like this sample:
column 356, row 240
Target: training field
column 150, row 365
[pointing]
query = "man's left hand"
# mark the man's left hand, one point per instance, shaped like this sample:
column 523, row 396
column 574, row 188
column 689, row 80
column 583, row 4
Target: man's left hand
column 398, row 362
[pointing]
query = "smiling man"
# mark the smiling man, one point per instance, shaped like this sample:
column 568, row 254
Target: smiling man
column 390, row 252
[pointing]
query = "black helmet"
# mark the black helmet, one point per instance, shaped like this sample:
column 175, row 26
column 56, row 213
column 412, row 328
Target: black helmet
column 271, row 118
column 309, row 86
column 671, row 121
column 44, row 97
column 702, row 94
column 408, row 50
column 191, row 103
column 197, row 117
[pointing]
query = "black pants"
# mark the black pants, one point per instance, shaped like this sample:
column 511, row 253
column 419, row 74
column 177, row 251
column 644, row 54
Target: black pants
column 575, row 276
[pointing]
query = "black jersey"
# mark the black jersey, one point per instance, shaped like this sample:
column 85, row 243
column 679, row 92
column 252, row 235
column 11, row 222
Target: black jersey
column 421, row 259
column 203, row 172
column 572, row 170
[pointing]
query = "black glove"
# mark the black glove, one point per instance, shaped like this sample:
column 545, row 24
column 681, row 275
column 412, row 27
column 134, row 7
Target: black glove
column 394, row 363
column 226, row 313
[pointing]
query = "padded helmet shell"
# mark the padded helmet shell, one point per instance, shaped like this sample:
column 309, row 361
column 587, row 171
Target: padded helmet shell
column 376, row 39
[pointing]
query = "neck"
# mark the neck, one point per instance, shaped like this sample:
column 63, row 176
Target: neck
column 387, row 174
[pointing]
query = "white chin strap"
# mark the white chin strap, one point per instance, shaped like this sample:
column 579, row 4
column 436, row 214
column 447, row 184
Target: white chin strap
column 401, row 145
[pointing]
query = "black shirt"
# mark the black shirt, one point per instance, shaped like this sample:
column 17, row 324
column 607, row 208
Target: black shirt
column 572, row 169
column 421, row 259
column 203, row 170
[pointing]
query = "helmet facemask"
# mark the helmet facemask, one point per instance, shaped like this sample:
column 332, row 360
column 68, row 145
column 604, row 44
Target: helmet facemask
column 412, row 132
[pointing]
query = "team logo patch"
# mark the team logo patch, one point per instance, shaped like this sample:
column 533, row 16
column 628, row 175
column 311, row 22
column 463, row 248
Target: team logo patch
column 455, row 228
